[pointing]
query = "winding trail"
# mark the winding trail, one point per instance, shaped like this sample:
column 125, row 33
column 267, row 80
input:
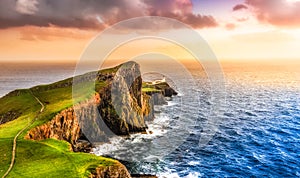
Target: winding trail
column 19, row 133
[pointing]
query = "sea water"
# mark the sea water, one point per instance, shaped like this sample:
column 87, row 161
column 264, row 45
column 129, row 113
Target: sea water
column 25, row 75
column 258, row 134
column 258, row 131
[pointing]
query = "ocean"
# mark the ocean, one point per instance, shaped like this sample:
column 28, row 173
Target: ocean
column 25, row 75
column 258, row 128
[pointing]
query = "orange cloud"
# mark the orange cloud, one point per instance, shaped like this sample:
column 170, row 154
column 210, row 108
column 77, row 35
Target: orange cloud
column 34, row 33
column 43, row 43
column 230, row 26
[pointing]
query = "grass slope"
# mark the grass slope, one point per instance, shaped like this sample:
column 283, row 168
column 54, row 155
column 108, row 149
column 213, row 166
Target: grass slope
column 47, row 158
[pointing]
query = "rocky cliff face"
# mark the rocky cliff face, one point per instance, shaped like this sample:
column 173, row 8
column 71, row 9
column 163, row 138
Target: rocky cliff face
column 159, row 92
column 121, row 105
column 147, row 107
column 116, row 171
column 119, row 108
column 64, row 126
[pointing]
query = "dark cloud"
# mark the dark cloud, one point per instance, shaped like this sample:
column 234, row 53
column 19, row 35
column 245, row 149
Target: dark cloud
column 239, row 7
column 277, row 12
column 84, row 13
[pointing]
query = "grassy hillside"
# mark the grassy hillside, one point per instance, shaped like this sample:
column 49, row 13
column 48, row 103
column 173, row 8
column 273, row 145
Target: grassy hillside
column 48, row 158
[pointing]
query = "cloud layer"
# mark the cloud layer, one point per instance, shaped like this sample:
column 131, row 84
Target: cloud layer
column 83, row 14
column 281, row 13
column 26, row 6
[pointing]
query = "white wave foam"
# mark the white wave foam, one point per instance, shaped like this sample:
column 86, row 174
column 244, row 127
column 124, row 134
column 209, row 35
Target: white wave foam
column 175, row 175
column 107, row 148
column 155, row 129
column 172, row 103
column 193, row 163
column 169, row 175
column 193, row 175
column 179, row 94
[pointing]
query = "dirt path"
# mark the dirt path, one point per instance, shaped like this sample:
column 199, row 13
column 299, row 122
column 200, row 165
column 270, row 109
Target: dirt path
column 19, row 133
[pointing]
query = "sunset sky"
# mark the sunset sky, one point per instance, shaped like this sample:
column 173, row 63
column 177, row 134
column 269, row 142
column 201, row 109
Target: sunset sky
column 50, row 30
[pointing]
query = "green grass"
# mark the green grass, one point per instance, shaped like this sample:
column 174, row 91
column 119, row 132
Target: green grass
column 22, row 103
column 47, row 158
column 148, row 87
column 150, row 90
column 5, row 154
column 27, row 106
column 53, row 158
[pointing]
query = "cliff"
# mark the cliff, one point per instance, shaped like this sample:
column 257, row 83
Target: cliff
column 119, row 106
column 158, row 92
column 121, row 101
column 64, row 126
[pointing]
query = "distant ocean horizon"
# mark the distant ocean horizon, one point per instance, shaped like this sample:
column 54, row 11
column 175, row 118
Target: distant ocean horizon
column 25, row 75
column 259, row 135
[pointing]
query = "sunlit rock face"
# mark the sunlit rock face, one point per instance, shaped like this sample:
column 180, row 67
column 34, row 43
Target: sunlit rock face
column 118, row 107
column 121, row 103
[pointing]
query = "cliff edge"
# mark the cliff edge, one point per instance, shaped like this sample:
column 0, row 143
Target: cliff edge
column 119, row 105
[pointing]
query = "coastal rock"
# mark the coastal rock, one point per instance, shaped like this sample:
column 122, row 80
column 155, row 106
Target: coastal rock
column 148, row 107
column 116, row 171
column 121, row 105
column 117, row 108
column 158, row 98
column 64, row 126
column 159, row 91
column 91, row 124
column 9, row 116
column 165, row 88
